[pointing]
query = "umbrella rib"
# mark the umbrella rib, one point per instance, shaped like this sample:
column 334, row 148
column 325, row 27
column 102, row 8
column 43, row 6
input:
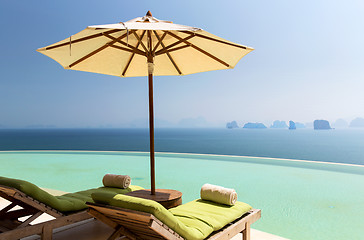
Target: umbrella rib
column 176, row 43
column 96, row 51
column 169, row 55
column 158, row 43
column 200, row 50
column 128, row 50
column 216, row 40
column 125, row 44
column 81, row 39
column 137, row 37
column 163, row 51
column 132, row 56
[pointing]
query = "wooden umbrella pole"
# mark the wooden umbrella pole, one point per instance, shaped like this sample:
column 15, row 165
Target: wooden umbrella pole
column 151, row 115
column 151, row 133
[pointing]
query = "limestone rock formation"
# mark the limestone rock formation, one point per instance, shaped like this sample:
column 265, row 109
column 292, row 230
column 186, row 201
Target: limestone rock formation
column 357, row 123
column 292, row 125
column 340, row 123
column 231, row 125
column 321, row 125
column 254, row 126
column 279, row 124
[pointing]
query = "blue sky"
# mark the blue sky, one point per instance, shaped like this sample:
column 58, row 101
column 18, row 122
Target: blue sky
column 308, row 64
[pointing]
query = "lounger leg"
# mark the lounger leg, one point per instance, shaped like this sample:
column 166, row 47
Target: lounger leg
column 120, row 230
column 115, row 234
column 246, row 232
column 47, row 233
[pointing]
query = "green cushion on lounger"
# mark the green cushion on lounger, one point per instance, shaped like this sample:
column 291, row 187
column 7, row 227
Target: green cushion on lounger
column 194, row 220
column 216, row 215
column 70, row 202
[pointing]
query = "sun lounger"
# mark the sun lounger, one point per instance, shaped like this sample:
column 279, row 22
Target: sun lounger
column 138, row 218
column 33, row 202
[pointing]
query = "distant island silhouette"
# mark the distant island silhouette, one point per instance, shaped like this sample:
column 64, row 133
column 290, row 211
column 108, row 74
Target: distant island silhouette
column 292, row 125
column 231, row 125
column 340, row 123
column 357, row 123
column 279, row 124
column 321, row 125
column 254, row 125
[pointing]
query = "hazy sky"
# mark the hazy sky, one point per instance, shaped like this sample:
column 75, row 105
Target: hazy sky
column 308, row 64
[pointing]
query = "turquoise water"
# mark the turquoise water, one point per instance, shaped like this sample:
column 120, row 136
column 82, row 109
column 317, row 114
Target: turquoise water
column 299, row 200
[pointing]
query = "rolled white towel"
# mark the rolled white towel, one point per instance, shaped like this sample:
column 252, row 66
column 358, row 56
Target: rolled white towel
column 218, row 194
column 117, row 181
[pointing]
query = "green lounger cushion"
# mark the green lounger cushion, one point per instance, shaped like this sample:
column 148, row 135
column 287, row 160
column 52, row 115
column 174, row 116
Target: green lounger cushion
column 194, row 220
column 213, row 214
column 70, row 202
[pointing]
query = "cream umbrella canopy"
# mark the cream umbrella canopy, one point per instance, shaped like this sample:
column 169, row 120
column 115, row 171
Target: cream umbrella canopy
column 145, row 46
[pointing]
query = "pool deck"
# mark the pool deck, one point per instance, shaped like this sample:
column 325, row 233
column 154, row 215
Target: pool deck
column 93, row 229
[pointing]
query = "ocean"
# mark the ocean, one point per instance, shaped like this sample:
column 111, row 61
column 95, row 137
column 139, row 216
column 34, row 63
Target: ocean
column 340, row 146
column 315, row 200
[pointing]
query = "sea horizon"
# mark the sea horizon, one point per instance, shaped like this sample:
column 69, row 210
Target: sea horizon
column 338, row 145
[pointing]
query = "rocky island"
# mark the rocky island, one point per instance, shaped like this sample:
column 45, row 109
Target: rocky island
column 279, row 124
column 340, row 123
column 254, row 126
column 292, row 125
column 321, row 125
column 231, row 125
column 357, row 123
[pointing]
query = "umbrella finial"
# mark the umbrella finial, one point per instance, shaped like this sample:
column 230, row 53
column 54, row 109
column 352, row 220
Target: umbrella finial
column 149, row 14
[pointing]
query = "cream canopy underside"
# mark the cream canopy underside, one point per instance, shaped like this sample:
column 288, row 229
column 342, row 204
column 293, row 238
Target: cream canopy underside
column 122, row 49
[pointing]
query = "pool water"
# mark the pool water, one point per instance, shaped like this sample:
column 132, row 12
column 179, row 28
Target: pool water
column 299, row 199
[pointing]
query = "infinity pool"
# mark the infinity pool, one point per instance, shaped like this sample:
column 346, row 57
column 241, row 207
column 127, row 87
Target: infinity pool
column 299, row 199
